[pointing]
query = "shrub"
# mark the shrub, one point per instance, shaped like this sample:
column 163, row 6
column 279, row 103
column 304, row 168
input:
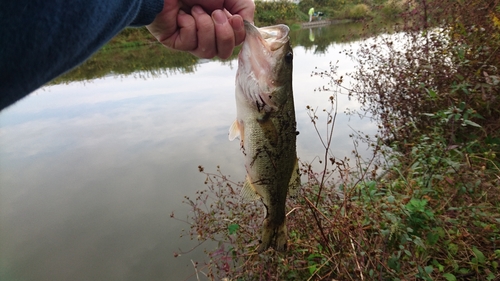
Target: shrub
column 358, row 12
column 391, row 9
column 270, row 13
column 428, row 69
column 349, row 223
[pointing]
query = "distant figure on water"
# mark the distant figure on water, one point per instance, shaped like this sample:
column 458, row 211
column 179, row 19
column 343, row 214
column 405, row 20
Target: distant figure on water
column 311, row 13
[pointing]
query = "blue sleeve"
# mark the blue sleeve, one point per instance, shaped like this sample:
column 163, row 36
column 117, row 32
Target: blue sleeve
column 42, row 39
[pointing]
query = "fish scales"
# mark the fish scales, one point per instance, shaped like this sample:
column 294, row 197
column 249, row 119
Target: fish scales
column 266, row 126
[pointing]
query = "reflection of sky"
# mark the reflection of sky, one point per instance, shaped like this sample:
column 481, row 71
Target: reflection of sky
column 90, row 172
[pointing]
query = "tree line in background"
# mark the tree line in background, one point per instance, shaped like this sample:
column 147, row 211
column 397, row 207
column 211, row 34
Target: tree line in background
column 272, row 12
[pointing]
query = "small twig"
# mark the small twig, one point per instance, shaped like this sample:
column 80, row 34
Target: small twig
column 192, row 249
column 311, row 205
column 329, row 141
column 318, row 269
column 489, row 160
column 356, row 259
column 292, row 210
column 195, row 270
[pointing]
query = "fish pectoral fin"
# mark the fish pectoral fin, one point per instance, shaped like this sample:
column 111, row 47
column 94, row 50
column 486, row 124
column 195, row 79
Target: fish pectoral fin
column 234, row 131
column 248, row 192
column 294, row 185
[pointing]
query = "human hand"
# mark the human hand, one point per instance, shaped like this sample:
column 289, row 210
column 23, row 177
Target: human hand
column 205, row 28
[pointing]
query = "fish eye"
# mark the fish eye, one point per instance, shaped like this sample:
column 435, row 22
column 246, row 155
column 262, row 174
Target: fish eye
column 289, row 57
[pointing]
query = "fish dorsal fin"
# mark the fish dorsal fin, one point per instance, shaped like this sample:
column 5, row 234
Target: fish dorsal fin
column 234, row 131
column 248, row 191
column 294, row 185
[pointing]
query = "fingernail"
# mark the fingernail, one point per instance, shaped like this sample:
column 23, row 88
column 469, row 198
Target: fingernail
column 237, row 23
column 219, row 17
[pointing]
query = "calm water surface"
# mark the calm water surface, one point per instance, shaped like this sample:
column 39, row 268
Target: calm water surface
column 91, row 171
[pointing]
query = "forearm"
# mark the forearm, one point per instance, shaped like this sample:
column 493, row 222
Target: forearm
column 43, row 39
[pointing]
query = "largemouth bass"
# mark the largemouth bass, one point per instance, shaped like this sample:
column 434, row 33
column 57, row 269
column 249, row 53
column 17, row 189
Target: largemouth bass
column 266, row 126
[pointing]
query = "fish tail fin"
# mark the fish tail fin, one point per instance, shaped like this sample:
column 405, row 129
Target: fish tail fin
column 275, row 236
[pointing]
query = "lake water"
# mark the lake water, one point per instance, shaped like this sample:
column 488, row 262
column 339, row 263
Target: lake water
column 91, row 171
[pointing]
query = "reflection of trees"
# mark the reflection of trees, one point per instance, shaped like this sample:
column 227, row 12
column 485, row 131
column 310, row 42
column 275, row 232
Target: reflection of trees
column 336, row 33
column 149, row 60
column 154, row 59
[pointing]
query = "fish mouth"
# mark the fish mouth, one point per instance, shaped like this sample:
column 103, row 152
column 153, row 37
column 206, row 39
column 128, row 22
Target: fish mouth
column 262, row 51
column 271, row 37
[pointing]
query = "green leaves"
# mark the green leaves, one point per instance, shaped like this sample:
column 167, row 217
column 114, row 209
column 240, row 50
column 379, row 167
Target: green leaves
column 419, row 215
column 232, row 228
column 417, row 206
column 449, row 277
column 479, row 258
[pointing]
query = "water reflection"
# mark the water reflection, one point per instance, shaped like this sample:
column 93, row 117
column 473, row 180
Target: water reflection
column 90, row 172
column 154, row 60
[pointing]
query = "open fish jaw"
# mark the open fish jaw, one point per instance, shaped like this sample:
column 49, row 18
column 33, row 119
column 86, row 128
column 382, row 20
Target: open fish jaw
column 259, row 63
